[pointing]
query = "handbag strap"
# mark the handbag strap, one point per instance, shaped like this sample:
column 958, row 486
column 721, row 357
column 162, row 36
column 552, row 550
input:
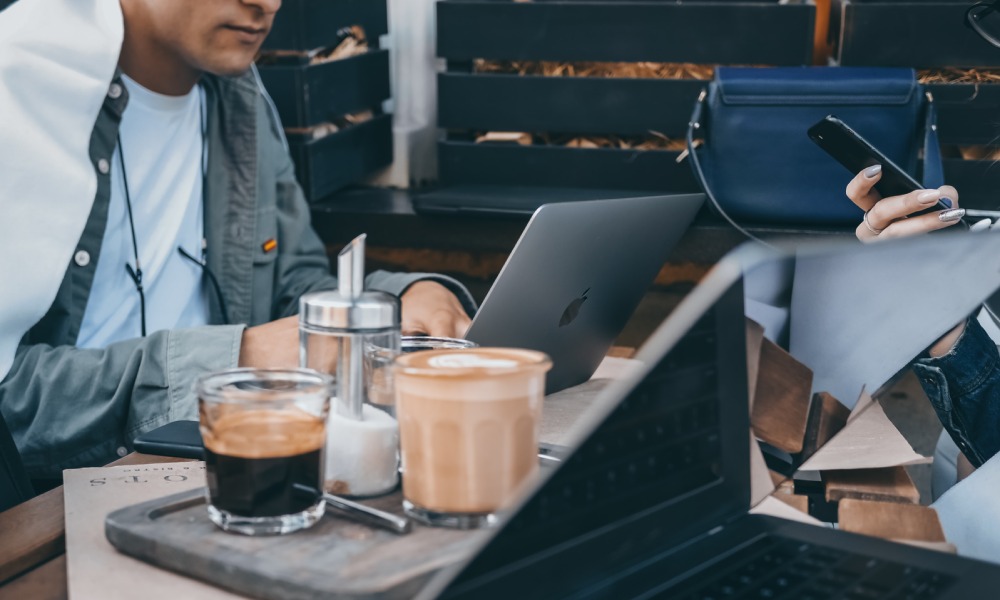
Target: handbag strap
column 932, row 176
column 933, row 172
column 693, row 125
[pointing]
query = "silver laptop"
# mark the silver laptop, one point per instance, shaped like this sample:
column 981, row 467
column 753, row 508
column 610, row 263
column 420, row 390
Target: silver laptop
column 575, row 277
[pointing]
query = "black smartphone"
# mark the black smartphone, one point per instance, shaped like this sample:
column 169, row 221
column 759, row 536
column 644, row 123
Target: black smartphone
column 856, row 154
column 180, row 438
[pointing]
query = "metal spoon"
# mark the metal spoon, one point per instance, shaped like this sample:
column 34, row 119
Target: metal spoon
column 547, row 460
column 372, row 516
column 366, row 514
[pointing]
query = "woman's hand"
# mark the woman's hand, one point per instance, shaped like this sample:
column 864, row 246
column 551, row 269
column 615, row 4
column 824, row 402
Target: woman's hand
column 887, row 218
column 890, row 217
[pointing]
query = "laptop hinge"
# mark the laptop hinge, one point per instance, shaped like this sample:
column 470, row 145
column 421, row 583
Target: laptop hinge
column 691, row 542
column 725, row 523
column 696, row 539
column 735, row 517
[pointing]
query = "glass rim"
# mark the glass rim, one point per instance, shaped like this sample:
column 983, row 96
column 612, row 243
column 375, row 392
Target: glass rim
column 418, row 340
column 539, row 361
column 217, row 387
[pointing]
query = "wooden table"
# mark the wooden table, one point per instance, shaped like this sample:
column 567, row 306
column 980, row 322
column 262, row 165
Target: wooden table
column 32, row 534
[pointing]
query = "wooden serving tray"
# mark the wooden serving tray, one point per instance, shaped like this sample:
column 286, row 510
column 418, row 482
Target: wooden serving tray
column 336, row 558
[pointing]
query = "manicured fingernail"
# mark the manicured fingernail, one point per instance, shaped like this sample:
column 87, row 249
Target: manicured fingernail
column 948, row 216
column 928, row 197
column 947, row 201
column 981, row 225
column 872, row 171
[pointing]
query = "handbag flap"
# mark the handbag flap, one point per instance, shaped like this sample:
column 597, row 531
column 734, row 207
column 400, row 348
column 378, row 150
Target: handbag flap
column 815, row 85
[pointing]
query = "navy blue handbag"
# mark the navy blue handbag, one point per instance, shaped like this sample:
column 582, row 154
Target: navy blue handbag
column 756, row 162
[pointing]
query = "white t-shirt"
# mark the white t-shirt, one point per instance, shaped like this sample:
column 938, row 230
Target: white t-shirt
column 162, row 137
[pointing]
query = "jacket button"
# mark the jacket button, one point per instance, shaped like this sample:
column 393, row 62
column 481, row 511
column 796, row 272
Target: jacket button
column 103, row 166
column 115, row 91
column 122, row 451
column 81, row 258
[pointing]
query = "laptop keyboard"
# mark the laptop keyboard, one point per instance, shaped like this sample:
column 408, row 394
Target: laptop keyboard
column 772, row 568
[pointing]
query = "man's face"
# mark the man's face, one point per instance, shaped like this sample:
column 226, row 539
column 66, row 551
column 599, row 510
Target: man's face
column 214, row 36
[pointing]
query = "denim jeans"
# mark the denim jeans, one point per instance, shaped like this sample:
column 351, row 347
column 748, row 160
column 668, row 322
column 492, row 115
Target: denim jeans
column 964, row 388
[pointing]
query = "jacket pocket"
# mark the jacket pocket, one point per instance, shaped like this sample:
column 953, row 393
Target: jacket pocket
column 935, row 386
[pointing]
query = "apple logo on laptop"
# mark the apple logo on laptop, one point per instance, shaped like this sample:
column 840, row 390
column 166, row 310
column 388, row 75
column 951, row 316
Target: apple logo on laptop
column 569, row 315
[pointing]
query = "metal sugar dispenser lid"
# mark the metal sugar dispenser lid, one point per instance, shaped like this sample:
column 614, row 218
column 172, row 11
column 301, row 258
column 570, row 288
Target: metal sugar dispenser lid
column 351, row 313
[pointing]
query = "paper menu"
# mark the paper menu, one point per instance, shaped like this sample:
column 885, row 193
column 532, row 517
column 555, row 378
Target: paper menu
column 95, row 569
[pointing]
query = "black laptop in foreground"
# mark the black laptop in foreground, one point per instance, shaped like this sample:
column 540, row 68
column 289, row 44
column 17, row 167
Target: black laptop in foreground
column 651, row 500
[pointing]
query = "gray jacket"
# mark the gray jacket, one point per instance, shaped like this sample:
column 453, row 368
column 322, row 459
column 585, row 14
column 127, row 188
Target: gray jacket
column 71, row 407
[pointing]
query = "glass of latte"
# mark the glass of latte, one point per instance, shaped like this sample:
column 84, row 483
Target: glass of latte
column 264, row 433
column 468, row 428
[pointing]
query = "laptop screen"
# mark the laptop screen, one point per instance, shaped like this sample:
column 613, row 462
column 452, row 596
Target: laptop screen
column 668, row 462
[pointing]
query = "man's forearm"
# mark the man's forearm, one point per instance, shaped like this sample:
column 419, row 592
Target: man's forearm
column 71, row 407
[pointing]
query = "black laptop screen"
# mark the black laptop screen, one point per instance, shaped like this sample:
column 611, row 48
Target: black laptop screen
column 650, row 474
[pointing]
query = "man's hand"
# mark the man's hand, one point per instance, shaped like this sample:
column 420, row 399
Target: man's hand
column 430, row 308
column 273, row 345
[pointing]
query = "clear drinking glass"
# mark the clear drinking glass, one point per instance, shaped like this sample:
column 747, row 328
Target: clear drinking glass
column 468, row 425
column 264, row 433
column 419, row 343
column 378, row 360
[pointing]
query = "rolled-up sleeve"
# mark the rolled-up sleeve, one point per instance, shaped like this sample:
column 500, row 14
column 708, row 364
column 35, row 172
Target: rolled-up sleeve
column 71, row 407
column 964, row 389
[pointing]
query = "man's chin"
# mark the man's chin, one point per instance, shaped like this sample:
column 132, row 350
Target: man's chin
column 230, row 69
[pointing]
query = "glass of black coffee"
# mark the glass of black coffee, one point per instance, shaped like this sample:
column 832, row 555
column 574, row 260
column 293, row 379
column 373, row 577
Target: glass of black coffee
column 264, row 434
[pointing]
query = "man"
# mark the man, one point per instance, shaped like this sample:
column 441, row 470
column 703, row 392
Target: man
column 197, row 245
